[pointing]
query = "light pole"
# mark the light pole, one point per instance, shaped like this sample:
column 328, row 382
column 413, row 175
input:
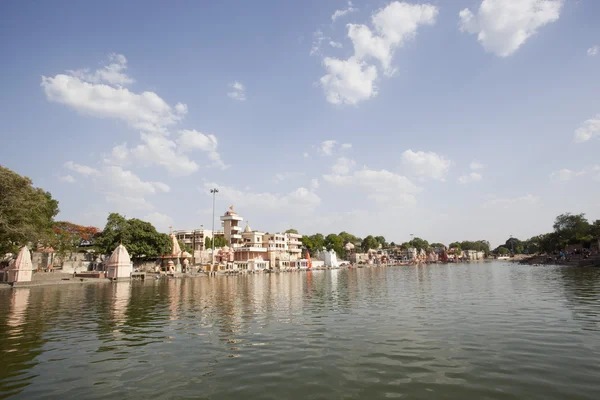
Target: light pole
column 214, row 193
column 512, row 245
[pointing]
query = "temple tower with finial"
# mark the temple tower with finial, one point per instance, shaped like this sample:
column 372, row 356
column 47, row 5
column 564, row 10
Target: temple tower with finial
column 231, row 228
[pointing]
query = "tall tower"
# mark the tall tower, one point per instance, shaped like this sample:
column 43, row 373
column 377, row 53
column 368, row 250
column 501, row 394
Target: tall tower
column 231, row 228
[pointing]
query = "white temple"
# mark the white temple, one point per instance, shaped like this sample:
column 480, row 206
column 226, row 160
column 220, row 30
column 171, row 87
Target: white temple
column 119, row 264
column 175, row 255
column 21, row 269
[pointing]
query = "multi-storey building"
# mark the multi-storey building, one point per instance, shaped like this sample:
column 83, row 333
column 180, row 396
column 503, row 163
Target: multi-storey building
column 196, row 238
column 231, row 228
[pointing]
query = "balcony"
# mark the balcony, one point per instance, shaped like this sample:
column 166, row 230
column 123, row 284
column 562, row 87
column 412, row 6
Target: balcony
column 236, row 228
column 236, row 236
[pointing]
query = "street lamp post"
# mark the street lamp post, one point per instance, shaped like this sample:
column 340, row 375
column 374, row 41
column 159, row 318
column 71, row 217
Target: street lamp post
column 214, row 193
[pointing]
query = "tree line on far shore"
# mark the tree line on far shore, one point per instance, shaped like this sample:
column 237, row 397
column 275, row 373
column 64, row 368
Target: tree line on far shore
column 27, row 217
column 569, row 229
column 338, row 242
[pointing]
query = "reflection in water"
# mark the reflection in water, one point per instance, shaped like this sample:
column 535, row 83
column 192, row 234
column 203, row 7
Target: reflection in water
column 462, row 331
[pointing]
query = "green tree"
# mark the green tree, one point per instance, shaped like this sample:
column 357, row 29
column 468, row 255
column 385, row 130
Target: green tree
column 455, row 245
column 139, row 237
column 207, row 243
column 437, row 245
column 307, row 243
column 335, row 243
column 26, row 212
column 369, row 243
column 184, row 247
column 515, row 246
column 381, row 241
column 392, row 244
column 348, row 238
column 571, row 228
column 501, row 250
column 291, row 230
column 318, row 241
column 419, row 244
column 220, row 241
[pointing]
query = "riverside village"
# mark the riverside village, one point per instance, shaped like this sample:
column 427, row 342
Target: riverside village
column 236, row 248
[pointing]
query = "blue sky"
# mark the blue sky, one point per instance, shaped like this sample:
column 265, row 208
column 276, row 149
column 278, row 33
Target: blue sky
column 452, row 120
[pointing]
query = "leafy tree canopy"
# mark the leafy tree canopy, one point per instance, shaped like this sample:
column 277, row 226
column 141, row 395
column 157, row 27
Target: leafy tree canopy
column 291, row 230
column 26, row 212
column 369, row 243
column 69, row 237
column 381, row 241
column 139, row 237
column 348, row 238
column 419, row 243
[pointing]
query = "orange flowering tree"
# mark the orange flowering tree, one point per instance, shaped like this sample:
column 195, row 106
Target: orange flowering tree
column 70, row 237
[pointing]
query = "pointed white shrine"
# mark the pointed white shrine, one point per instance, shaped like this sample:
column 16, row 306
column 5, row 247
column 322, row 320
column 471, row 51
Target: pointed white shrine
column 119, row 264
column 22, row 269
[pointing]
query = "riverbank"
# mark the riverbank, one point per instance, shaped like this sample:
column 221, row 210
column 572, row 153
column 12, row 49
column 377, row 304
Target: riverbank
column 572, row 260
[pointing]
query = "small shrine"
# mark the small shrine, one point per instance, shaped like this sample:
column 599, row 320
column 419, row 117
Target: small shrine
column 21, row 269
column 119, row 264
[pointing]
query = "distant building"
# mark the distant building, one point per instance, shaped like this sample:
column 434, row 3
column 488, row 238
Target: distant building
column 196, row 238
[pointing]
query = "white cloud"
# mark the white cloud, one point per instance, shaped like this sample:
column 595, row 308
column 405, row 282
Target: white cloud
column 314, row 183
column 158, row 149
column 119, row 155
column 425, row 164
column 381, row 186
column 562, row 175
column 353, row 80
column 305, row 155
column 67, row 178
column 160, row 221
column 146, row 112
column 192, row 139
column 123, row 202
column 394, row 25
column 119, row 180
column 317, row 41
column 471, row 177
column 502, row 26
column 82, row 169
column 340, row 13
column 348, row 81
column 285, row 176
column 238, row 91
column 476, row 165
column 346, row 146
column 588, row 130
column 592, row 51
column 565, row 174
column 336, row 45
column 326, row 147
column 299, row 200
column 113, row 73
column 343, row 166
column 497, row 202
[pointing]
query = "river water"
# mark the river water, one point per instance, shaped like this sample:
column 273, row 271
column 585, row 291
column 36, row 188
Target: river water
column 467, row 331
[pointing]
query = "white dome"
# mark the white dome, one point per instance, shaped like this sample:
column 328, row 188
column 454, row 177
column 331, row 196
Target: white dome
column 119, row 257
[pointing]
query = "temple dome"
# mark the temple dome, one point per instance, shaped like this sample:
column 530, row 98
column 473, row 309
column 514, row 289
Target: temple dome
column 119, row 257
column 247, row 229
